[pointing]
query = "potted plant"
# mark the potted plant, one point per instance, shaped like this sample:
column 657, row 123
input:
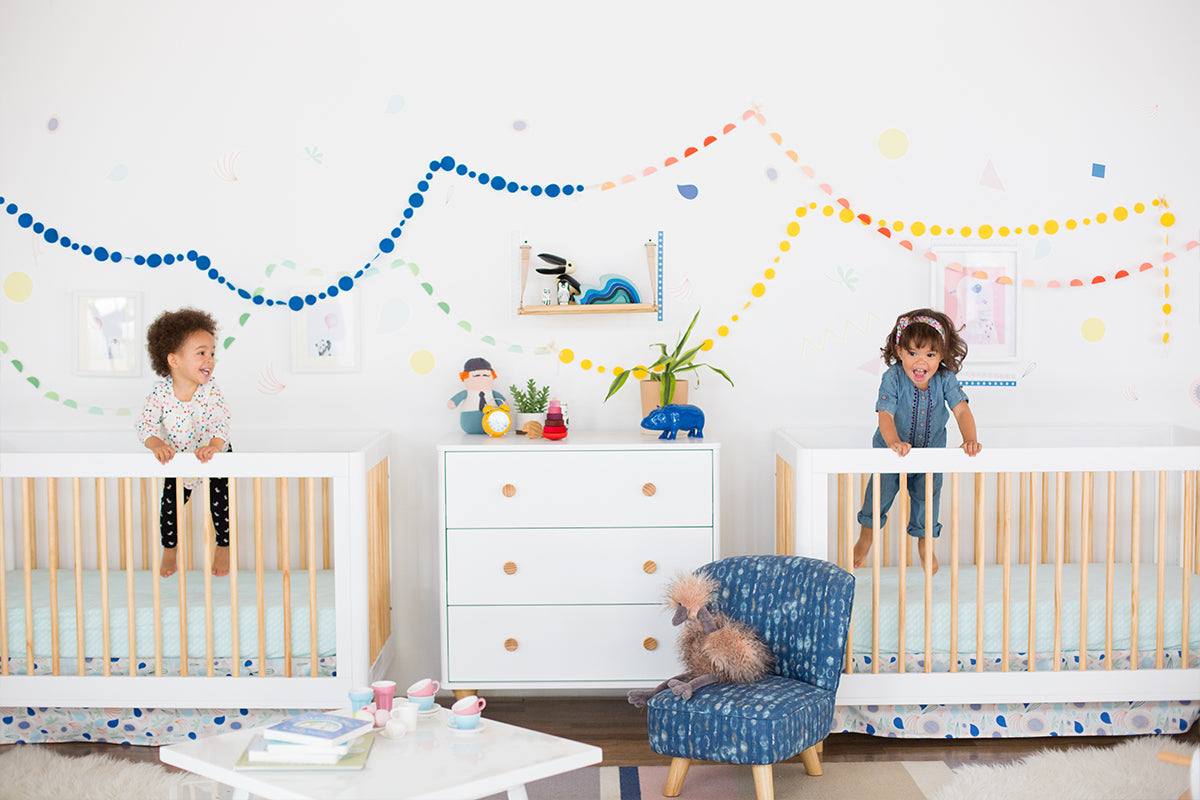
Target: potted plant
column 662, row 385
column 530, row 402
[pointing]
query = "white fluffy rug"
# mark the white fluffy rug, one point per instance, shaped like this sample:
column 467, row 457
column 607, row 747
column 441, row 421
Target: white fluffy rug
column 30, row 772
column 1127, row 771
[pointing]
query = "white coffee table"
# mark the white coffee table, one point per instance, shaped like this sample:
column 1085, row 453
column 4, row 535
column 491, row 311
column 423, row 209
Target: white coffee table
column 431, row 763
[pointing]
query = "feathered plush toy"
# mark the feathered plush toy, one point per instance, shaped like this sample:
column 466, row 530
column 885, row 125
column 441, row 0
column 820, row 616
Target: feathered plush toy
column 714, row 648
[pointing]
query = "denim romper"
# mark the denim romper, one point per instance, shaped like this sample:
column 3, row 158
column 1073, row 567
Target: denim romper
column 921, row 416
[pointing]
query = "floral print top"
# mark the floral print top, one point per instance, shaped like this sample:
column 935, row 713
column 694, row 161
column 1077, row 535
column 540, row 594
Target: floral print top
column 185, row 425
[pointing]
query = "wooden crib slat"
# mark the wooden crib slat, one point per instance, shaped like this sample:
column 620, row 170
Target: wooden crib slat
column 28, row 500
column 1033, row 565
column 77, row 515
column 1109, row 560
column 258, row 576
column 929, row 540
column 1045, row 517
column 1085, row 549
column 979, row 566
column 326, row 540
column 234, row 615
column 1022, row 518
column 125, row 503
column 282, row 555
column 53, row 558
column 208, row 545
column 281, row 488
column 123, row 554
column 311, row 544
column 3, row 585
column 902, row 538
column 1060, row 530
column 182, row 573
column 954, row 534
column 380, row 591
column 1006, row 562
column 1162, row 567
column 1189, row 542
column 27, row 546
column 785, row 504
column 875, row 514
column 102, row 564
column 845, row 531
column 1066, row 501
column 155, row 549
column 1135, row 549
column 147, row 549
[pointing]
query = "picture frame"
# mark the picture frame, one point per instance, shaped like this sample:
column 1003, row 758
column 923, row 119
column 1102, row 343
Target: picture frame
column 325, row 334
column 107, row 333
column 979, row 288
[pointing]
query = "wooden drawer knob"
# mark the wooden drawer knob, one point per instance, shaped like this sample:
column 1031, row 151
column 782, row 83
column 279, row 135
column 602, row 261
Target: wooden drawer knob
column 509, row 490
column 510, row 568
column 649, row 568
column 649, row 489
column 510, row 645
column 650, row 643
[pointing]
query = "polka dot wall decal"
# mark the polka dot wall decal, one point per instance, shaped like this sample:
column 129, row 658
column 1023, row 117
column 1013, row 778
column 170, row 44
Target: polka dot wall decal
column 893, row 143
column 1092, row 329
column 422, row 362
column 53, row 124
column 18, row 286
column 519, row 125
column 772, row 174
column 688, row 191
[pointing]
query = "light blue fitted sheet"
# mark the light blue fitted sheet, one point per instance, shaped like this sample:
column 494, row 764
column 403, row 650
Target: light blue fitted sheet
column 144, row 614
column 1019, row 609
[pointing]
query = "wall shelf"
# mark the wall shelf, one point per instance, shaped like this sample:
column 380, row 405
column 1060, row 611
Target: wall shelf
column 653, row 267
column 594, row 308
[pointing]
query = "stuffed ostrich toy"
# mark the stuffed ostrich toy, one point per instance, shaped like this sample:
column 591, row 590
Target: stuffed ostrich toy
column 714, row 648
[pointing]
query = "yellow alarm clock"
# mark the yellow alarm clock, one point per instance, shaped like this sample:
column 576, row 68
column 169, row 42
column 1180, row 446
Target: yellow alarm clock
column 496, row 420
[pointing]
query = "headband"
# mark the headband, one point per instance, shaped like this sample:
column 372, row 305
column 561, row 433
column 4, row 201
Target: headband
column 904, row 322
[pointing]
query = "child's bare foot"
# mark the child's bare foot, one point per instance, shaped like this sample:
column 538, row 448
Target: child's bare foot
column 167, row 568
column 221, row 561
column 863, row 546
column 933, row 554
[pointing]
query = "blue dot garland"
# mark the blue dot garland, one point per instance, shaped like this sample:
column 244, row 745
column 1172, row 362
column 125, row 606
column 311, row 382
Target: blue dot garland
column 346, row 283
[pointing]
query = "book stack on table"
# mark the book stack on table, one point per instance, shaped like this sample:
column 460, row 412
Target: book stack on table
column 313, row 740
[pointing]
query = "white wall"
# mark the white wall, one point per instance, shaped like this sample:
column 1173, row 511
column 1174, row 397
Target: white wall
column 149, row 97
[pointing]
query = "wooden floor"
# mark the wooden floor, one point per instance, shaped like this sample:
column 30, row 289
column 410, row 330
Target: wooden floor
column 620, row 730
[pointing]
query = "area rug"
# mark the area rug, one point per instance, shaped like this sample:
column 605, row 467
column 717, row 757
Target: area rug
column 1126, row 771
column 30, row 772
column 894, row 780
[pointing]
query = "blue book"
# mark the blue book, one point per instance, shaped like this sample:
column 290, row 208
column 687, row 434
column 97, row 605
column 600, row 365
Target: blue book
column 317, row 727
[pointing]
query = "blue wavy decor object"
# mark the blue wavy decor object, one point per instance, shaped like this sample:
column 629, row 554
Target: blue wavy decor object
column 616, row 290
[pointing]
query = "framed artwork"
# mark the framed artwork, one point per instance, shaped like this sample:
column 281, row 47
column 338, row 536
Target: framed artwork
column 325, row 335
column 107, row 333
column 979, row 288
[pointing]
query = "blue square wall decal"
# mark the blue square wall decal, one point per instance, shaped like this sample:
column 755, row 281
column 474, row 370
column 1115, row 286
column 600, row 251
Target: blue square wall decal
column 1097, row 170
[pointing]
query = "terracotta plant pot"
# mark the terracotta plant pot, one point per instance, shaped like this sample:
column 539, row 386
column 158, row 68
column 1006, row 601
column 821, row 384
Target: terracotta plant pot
column 650, row 399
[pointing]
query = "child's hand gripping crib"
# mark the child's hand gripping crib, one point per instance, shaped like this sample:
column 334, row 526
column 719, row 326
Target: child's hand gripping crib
column 1069, row 574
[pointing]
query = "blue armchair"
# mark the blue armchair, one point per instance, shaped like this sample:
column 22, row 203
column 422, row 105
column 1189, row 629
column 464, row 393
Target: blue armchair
column 801, row 608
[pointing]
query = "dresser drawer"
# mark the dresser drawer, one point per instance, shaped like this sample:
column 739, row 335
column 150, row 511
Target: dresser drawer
column 580, row 565
column 642, row 488
column 560, row 643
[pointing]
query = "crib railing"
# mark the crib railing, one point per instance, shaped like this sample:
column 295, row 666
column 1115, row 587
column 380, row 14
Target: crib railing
column 296, row 513
column 1146, row 515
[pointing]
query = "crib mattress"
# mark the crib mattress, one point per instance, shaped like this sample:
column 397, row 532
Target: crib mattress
column 169, row 589
column 993, row 611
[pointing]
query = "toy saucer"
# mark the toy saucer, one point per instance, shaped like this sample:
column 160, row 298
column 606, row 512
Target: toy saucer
column 479, row 726
column 433, row 712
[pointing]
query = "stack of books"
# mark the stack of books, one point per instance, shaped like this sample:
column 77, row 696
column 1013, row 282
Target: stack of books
column 313, row 740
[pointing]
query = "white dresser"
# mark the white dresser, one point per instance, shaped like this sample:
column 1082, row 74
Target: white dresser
column 554, row 555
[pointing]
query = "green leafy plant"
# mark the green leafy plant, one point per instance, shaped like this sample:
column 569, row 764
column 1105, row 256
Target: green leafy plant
column 669, row 366
column 532, row 400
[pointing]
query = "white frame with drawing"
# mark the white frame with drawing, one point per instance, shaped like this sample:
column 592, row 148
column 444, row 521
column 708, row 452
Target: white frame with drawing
column 106, row 333
column 325, row 335
column 989, row 319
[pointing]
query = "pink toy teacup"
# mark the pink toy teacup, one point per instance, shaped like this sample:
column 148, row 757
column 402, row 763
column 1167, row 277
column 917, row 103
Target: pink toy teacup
column 469, row 705
column 423, row 692
column 384, row 692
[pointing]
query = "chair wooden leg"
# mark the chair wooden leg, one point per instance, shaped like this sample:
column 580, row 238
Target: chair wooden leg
column 821, row 747
column 812, row 764
column 675, row 776
column 764, row 782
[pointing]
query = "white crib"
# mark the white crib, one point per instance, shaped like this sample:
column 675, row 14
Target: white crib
column 307, row 618
column 1068, row 572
